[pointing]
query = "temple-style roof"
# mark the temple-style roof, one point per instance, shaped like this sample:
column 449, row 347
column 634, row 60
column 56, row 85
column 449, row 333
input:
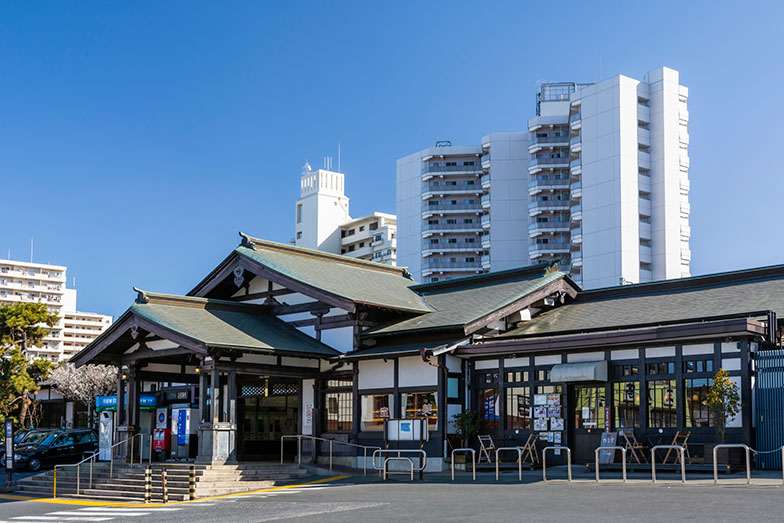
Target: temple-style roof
column 201, row 324
column 697, row 298
column 331, row 275
column 469, row 303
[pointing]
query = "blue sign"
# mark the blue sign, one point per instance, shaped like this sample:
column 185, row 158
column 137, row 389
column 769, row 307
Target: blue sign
column 108, row 402
column 182, row 427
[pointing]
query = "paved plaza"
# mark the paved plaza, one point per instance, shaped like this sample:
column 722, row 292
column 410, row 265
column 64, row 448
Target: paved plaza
column 356, row 499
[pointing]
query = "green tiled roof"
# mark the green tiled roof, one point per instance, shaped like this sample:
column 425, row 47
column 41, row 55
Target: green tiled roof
column 222, row 324
column 661, row 302
column 355, row 280
column 459, row 302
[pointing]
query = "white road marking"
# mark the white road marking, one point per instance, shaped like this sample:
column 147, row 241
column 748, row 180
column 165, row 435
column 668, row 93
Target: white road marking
column 75, row 513
column 130, row 509
column 54, row 518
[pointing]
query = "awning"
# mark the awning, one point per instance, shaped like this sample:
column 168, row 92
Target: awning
column 584, row 371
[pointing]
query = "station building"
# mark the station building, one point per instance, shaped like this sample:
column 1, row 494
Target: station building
column 281, row 340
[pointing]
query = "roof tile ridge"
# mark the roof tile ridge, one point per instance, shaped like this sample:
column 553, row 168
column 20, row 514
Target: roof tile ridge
column 147, row 297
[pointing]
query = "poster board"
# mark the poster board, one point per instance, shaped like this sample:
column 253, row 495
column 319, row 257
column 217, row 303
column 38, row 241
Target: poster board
column 406, row 430
column 609, row 439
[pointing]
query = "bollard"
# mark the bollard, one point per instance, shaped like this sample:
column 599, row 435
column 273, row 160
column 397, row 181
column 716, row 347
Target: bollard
column 192, row 483
column 164, row 487
column 54, row 482
column 147, row 484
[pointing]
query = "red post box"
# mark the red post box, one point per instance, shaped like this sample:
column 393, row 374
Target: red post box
column 161, row 439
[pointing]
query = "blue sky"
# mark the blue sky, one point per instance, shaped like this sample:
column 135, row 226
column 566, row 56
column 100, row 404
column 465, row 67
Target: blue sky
column 138, row 138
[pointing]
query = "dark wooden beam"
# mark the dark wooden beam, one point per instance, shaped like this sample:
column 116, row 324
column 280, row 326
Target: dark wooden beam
column 315, row 307
column 263, row 370
column 146, row 375
column 149, row 354
column 265, row 294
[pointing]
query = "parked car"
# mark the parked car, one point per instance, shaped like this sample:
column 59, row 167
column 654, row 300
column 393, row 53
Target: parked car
column 27, row 438
column 57, row 448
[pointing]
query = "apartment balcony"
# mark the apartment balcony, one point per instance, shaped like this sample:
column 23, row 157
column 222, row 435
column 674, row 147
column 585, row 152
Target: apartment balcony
column 486, row 161
column 429, row 168
column 576, row 166
column 685, row 254
column 486, row 222
column 537, row 143
column 540, row 249
column 485, row 181
column 643, row 113
column 683, row 138
column 537, row 228
column 685, row 208
column 575, row 121
column 685, row 184
column 435, row 228
column 436, row 265
column 644, row 160
column 537, row 163
column 576, row 190
column 486, row 263
column 485, row 241
column 543, row 183
column 576, row 144
column 683, row 116
column 576, row 213
column 486, row 201
column 577, row 238
column 538, row 207
column 685, row 232
column 683, row 161
column 460, row 246
column 576, row 261
column 457, row 208
column 644, row 137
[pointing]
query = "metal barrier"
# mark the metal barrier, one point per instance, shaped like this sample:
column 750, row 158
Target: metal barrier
column 299, row 438
column 653, row 461
column 164, row 486
column 473, row 461
column 192, row 483
column 387, row 460
column 728, row 446
column 568, row 460
column 382, row 452
column 147, row 484
column 623, row 459
column 519, row 461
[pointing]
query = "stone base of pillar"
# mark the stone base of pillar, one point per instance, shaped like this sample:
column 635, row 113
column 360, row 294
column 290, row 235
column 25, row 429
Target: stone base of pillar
column 217, row 443
column 123, row 451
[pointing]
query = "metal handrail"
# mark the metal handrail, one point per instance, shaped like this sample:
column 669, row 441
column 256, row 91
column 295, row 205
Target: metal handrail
column 473, row 460
column 623, row 459
column 727, row 446
column 519, row 461
column 653, row 461
column 299, row 437
column 419, row 452
column 568, row 461
column 77, row 465
column 387, row 460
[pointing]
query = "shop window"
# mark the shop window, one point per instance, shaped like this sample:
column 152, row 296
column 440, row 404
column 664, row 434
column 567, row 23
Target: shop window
column 543, row 375
column 452, row 386
column 697, row 366
column 589, row 407
column 662, row 367
column 626, row 404
column 488, row 409
column 518, row 408
column 375, row 409
column 697, row 412
column 488, row 377
column 421, row 405
column 517, row 376
column 548, row 389
column 661, row 404
column 339, row 406
column 621, row 371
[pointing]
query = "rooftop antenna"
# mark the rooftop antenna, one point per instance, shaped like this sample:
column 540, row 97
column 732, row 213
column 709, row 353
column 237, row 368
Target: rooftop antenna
column 74, row 282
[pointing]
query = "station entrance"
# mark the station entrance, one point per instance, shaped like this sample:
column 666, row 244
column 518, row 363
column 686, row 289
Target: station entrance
column 268, row 409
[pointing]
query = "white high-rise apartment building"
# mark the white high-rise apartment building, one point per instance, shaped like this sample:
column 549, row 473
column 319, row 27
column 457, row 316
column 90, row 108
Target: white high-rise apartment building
column 322, row 221
column 605, row 166
column 26, row 282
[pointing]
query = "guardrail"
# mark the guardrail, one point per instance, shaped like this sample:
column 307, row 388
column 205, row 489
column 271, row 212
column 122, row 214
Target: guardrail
column 568, row 460
column 519, row 461
column 419, row 452
column 737, row 446
column 473, row 461
column 653, row 461
column 623, row 459
column 299, row 438
column 393, row 458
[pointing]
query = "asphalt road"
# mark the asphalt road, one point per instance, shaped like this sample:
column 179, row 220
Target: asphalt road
column 351, row 500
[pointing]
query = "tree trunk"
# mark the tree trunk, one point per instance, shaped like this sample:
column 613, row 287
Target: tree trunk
column 23, row 410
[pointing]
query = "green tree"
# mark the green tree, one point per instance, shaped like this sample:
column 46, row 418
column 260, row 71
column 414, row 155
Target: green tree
column 723, row 400
column 22, row 326
column 466, row 425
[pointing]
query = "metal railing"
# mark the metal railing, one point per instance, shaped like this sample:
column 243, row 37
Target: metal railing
column 568, row 460
column 519, row 461
column 623, row 459
column 737, row 446
column 419, row 452
column 410, row 461
column 473, row 461
column 299, row 438
column 92, row 458
column 653, row 460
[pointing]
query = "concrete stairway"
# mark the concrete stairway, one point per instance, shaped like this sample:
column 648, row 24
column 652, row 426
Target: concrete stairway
column 126, row 483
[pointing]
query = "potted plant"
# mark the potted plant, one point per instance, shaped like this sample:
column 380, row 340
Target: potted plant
column 466, row 425
column 723, row 401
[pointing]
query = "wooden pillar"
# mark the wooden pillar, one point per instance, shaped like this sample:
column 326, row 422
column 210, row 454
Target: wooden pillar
column 232, row 386
column 132, row 405
column 215, row 399
column 120, row 399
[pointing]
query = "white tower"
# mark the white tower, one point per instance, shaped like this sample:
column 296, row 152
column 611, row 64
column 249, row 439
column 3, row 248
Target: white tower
column 321, row 209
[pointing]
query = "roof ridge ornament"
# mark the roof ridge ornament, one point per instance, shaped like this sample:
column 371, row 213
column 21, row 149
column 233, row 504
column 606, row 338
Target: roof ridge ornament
column 239, row 279
column 246, row 242
column 141, row 296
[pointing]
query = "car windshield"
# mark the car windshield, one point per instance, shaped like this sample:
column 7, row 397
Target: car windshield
column 20, row 436
column 47, row 442
column 35, row 437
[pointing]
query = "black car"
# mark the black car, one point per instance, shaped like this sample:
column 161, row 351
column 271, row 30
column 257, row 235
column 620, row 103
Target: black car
column 68, row 446
column 27, row 438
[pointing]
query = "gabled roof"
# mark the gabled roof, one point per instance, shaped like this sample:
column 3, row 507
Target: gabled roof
column 700, row 297
column 201, row 324
column 463, row 303
column 346, row 279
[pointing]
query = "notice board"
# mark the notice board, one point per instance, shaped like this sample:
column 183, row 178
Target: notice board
column 609, row 439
